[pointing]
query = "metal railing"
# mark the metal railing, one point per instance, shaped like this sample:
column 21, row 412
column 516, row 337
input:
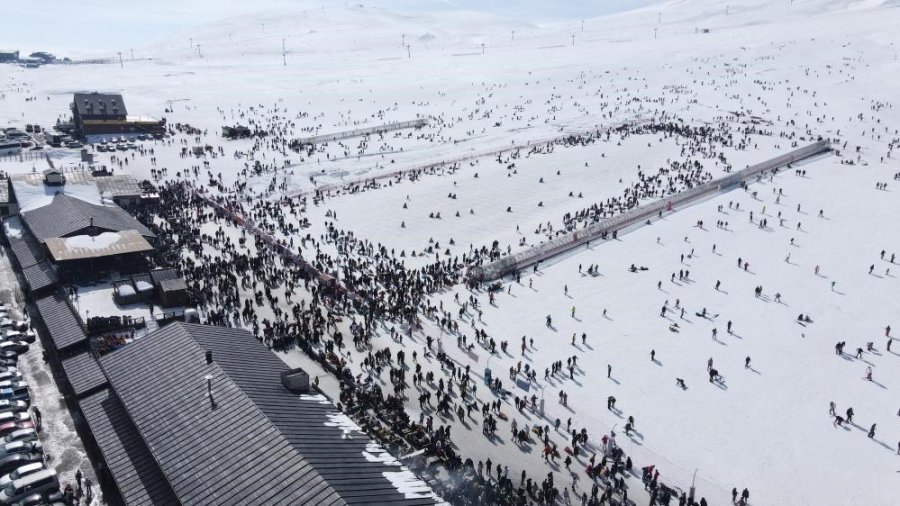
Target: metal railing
column 516, row 261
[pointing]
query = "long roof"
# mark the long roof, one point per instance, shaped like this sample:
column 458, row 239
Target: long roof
column 138, row 478
column 307, row 422
column 67, row 215
column 63, row 326
column 219, row 450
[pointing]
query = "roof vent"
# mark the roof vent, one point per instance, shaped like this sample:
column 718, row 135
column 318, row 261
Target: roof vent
column 295, row 380
column 208, row 358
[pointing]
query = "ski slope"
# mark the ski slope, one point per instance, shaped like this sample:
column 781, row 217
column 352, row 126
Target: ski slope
column 774, row 73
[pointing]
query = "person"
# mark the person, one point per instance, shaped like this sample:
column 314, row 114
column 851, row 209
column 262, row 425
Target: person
column 831, row 408
column 653, row 355
column 872, row 431
column 608, row 371
column 733, row 495
column 850, row 414
column 869, row 373
column 747, row 363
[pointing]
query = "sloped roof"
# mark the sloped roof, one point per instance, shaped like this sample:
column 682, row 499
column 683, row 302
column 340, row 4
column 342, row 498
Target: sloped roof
column 257, row 371
column 83, row 373
column 60, row 321
column 26, row 251
column 138, row 478
column 215, row 451
column 93, row 104
column 40, row 275
column 67, row 215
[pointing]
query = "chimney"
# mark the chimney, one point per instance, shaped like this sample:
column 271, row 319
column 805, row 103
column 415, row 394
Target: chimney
column 208, row 358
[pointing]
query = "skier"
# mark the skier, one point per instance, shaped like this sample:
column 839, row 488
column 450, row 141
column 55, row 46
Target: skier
column 608, row 370
column 709, row 363
column 850, row 414
column 747, row 363
column 872, row 431
column 831, row 408
column 653, row 355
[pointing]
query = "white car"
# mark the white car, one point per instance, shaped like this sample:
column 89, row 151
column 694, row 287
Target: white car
column 21, row 472
column 21, row 435
column 21, row 447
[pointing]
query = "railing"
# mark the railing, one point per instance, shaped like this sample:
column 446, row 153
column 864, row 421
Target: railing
column 359, row 132
column 541, row 252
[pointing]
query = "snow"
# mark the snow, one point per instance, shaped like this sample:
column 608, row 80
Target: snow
column 410, row 486
column 806, row 68
column 13, row 227
column 143, row 286
column 93, row 242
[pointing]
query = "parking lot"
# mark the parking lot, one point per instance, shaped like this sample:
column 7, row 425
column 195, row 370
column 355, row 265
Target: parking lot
column 59, row 442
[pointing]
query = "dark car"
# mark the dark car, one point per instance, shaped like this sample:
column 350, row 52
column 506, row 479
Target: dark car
column 55, row 498
column 10, row 463
column 9, row 356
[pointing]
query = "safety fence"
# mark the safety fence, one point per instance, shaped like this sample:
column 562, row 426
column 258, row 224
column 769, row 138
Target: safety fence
column 359, row 132
column 516, row 261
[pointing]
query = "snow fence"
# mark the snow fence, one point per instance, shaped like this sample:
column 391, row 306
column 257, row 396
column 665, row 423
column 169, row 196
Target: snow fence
column 516, row 261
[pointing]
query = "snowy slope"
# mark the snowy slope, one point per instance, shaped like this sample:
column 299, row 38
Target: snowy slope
column 806, row 68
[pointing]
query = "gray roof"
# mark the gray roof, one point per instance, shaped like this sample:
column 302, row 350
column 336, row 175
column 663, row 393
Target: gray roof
column 61, row 323
column 160, row 275
column 83, row 373
column 138, row 478
column 26, row 251
column 221, row 452
column 120, row 185
column 68, row 215
column 95, row 104
column 40, row 276
column 302, row 421
column 173, row 285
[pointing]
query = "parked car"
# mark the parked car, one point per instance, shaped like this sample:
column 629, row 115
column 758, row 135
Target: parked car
column 19, row 347
column 21, row 435
column 16, row 392
column 10, row 416
column 10, row 427
column 9, row 362
column 52, row 498
column 7, row 405
column 21, row 447
column 6, row 377
column 27, row 336
column 41, row 482
column 13, row 324
column 12, row 462
column 21, row 472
